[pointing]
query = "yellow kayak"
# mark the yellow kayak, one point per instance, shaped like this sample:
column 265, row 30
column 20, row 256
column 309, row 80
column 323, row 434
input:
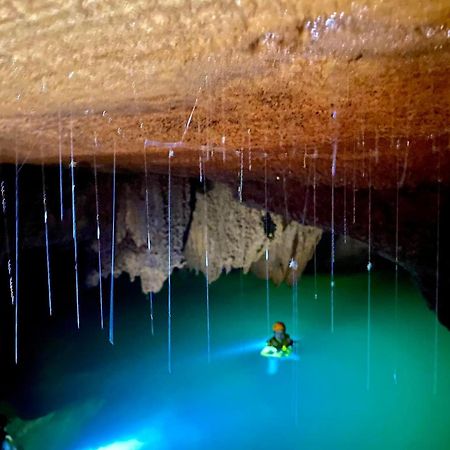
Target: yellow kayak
column 271, row 352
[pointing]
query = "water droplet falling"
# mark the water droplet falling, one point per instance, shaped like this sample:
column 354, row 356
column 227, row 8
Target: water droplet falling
column 315, row 221
column 188, row 122
column 61, row 199
column 333, row 245
column 267, row 288
column 345, row 204
column 266, row 226
column 249, row 150
column 150, row 297
column 285, row 199
column 436, row 307
column 8, row 250
column 47, row 250
column 74, row 222
column 223, row 149
column 169, row 262
column 99, row 247
column 405, row 164
column 200, row 169
column 113, row 248
column 293, row 265
column 16, row 303
column 206, row 244
column 147, row 205
column 397, row 216
column 305, row 203
column 354, row 186
column 369, row 272
column 241, row 174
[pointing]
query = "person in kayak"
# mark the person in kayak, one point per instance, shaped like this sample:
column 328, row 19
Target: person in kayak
column 6, row 441
column 280, row 340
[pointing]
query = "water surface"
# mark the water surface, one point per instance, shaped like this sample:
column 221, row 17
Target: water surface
column 333, row 395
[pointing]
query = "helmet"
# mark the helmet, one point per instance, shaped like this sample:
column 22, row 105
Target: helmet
column 279, row 326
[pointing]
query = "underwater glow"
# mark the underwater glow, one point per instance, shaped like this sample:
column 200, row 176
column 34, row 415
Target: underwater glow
column 225, row 403
column 272, row 366
column 132, row 444
column 244, row 348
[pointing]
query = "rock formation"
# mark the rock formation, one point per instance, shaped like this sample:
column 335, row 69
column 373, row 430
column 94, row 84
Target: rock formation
column 228, row 233
column 233, row 235
column 143, row 230
column 293, row 242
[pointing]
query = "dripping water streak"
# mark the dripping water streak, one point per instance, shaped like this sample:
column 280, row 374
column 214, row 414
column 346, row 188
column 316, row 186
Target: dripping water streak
column 99, row 248
column 285, row 199
column 113, row 249
column 205, row 222
column 147, row 209
column 169, row 261
column 354, row 187
column 249, row 150
column 74, row 223
column 405, row 165
column 345, row 204
column 333, row 163
column 397, row 197
column 333, row 175
column 200, row 169
column 305, row 203
column 266, row 219
column 295, row 300
column 150, row 296
column 369, row 279
column 16, row 304
column 188, row 123
column 241, row 174
column 8, row 249
column 47, row 251
column 436, row 319
column 61, row 200
column 267, row 289
column 315, row 223
column 296, row 332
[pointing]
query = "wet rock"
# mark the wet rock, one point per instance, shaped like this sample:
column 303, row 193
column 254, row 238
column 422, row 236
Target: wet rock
column 138, row 221
column 235, row 237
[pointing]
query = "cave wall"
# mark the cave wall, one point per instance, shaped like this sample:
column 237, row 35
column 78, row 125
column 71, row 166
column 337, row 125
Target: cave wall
column 423, row 218
column 290, row 204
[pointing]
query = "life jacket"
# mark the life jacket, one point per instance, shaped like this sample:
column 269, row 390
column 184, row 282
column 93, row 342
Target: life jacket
column 8, row 443
column 274, row 342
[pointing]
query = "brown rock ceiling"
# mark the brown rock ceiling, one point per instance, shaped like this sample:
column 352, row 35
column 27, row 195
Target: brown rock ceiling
column 260, row 77
column 282, row 85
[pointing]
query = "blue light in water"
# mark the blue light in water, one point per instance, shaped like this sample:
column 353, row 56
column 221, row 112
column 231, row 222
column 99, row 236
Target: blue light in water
column 243, row 348
column 132, row 444
column 272, row 366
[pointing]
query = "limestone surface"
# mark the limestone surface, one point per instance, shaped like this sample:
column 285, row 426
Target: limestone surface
column 134, row 255
column 233, row 235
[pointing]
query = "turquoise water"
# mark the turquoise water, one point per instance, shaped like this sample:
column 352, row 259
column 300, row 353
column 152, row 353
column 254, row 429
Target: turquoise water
column 122, row 398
